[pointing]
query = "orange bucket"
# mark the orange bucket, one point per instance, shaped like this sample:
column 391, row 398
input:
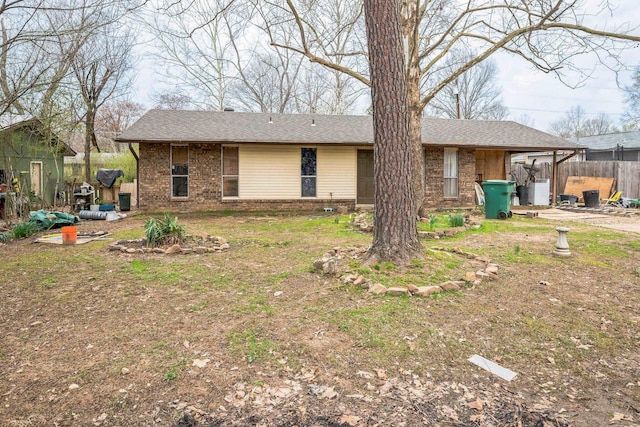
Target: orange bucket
column 69, row 235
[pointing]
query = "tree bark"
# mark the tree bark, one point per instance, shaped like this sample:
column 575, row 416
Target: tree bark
column 395, row 235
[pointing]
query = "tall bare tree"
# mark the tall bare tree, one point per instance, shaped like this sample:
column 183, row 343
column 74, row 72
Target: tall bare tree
column 113, row 118
column 194, row 44
column 576, row 124
column 550, row 35
column 473, row 95
column 102, row 69
column 39, row 40
column 631, row 117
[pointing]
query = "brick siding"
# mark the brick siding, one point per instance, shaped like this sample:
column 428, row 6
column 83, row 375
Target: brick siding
column 205, row 191
column 434, row 191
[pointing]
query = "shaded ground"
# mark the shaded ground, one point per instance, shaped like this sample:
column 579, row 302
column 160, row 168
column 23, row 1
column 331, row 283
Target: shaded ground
column 254, row 336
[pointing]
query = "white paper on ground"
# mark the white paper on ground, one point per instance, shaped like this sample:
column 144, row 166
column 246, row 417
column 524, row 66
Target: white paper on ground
column 492, row 367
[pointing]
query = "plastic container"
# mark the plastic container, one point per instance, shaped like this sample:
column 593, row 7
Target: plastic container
column 497, row 195
column 124, row 200
column 568, row 198
column 591, row 198
column 69, row 235
column 523, row 195
column 107, row 207
column 94, row 208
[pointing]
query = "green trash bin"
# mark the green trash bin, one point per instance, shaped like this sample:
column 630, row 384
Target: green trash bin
column 124, row 200
column 497, row 198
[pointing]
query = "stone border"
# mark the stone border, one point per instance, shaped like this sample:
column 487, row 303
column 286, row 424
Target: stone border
column 329, row 265
column 131, row 246
column 361, row 223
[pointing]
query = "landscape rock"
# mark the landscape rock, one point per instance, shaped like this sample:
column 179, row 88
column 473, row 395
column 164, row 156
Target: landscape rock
column 330, row 267
column 450, row 285
column 378, row 289
column 412, row 288
column 360, row 280
column 397, row 291
column 491, row 268
column 424, row 291
column 172, row 250
column 470, row 276
column 158, row 250
column 349, row 278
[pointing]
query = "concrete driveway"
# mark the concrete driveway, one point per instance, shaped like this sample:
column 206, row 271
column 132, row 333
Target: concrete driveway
column 629, row 223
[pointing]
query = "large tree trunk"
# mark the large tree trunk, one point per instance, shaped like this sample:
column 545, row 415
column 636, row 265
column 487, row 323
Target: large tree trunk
column 89, row 129
column 395, row 236
column 410, row 33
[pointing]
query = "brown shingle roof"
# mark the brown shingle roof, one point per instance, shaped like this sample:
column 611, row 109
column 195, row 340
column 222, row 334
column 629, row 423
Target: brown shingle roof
column 236, row 127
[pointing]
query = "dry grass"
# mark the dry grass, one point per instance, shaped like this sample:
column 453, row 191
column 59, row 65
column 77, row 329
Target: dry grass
column 127, row 328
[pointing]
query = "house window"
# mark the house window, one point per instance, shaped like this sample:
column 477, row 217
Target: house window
column 230, row 160
column 450, row 172
column 179, row 170
column 309, row 172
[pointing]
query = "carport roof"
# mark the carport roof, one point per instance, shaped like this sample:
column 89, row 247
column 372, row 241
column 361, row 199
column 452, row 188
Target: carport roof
column 239, row 128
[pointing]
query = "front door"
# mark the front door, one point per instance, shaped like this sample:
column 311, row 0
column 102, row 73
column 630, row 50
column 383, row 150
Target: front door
column 365, row 177
column 36, row 178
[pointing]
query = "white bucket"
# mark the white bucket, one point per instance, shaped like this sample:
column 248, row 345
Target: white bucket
column 94, row 208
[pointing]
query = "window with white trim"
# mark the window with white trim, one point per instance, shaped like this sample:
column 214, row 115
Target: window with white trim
column 179, row 171
column 450, row 172
column 230, row 171
column 309, row 171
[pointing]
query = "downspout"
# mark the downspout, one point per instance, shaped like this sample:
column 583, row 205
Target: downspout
column 135, row 156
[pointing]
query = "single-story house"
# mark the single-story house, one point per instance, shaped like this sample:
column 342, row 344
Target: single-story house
column 203, row 160
column 31, row 158
column 612, row 146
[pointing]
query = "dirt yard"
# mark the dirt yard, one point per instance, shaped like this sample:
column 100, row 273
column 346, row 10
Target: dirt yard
column 255, row 336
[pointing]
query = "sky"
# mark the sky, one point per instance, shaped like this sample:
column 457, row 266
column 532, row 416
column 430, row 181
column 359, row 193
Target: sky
column 545, row 99
column 526, row 91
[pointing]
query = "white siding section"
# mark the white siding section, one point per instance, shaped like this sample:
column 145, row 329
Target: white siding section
column 269, row 172
column 273, row 172
column 337, row 172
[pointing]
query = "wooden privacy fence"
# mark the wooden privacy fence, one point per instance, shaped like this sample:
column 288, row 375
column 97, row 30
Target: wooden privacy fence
column 626, row 174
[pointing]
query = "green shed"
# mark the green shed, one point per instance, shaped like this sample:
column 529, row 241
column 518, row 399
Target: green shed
column 32, row 158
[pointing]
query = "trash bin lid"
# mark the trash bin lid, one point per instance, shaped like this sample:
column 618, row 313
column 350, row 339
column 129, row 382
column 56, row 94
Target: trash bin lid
column 497, row 182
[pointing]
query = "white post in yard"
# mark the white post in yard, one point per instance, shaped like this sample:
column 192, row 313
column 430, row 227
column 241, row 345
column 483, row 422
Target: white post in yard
column 562, row 245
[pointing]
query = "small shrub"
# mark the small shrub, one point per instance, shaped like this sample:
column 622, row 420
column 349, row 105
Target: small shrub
column 24, row 229
column 432, row 222
column 5, row 237
column 163, row 231
column 456, row 220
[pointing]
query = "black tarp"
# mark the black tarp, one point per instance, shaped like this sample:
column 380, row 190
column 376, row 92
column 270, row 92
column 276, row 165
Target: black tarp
column 107, row 177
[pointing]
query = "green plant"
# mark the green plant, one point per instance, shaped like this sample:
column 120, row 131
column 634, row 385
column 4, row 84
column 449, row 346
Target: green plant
column 24, row 229
column 5, row 237
column 174, row 370
column 432, row 222
column 456, row 220
column 163, row 231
